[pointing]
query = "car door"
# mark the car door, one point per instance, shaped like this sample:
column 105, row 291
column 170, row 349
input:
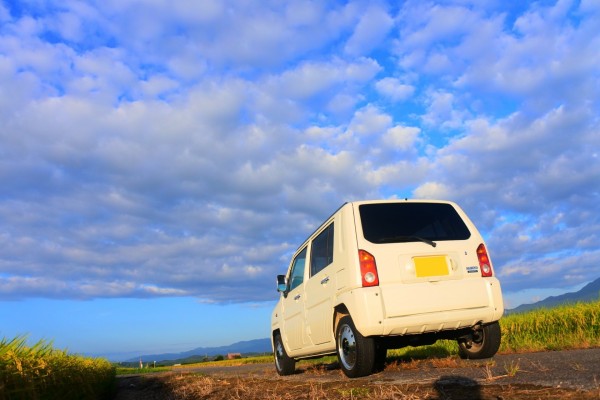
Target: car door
column 320, row 288
column 293, row 303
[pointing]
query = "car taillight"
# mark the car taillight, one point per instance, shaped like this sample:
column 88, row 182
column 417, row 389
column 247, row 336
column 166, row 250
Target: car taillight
column 368, row 269
column 484, row 261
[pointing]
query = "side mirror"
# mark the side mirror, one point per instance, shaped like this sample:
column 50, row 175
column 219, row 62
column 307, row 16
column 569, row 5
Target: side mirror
column 282, row 284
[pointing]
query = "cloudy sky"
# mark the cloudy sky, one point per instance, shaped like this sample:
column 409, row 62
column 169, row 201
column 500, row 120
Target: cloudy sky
column 160, row 160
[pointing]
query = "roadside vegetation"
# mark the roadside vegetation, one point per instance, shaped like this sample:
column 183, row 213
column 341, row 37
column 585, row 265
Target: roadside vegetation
column 143, row 370
column 573, row 326
column 42, row 372
column 236, row 361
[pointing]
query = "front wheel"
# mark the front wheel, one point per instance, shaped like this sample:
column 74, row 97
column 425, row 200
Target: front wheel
column 356, row 353
column 483, row 342
column 283, row 364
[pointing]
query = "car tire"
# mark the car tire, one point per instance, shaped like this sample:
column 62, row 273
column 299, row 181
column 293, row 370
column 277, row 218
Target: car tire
column 283, row 364
column 484, row 342
column 380, row 356
column 356, row 353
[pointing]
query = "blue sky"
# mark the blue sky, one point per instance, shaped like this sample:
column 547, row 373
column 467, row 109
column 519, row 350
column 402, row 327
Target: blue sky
column 161, row 160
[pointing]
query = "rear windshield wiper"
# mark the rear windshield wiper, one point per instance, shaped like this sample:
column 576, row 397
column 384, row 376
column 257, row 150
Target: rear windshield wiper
column 397, row 239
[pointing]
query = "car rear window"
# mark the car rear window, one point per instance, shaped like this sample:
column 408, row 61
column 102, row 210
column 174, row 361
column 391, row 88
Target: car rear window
column 407, row 222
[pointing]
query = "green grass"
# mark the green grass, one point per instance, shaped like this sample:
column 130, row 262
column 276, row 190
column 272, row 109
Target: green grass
column 441, row 349
column 149, row 370
column 42, row 372
column 234, row 362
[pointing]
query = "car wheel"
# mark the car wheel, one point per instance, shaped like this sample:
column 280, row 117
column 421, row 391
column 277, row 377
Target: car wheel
column 484, row 342
column 356, row 353
column 283, row 364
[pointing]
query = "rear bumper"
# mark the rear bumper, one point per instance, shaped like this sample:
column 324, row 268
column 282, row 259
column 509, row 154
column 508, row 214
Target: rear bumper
column 407, row 311
column 439, row 321
column 450, row 306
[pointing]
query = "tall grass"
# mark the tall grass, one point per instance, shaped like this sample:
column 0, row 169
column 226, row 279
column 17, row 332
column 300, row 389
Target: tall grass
column 570, row 326
column 42, row 372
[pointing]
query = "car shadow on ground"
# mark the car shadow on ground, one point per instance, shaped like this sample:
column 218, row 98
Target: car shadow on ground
column 457, row 387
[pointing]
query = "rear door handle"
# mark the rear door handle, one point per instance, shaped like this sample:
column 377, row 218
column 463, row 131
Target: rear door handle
column 297, row 297
column 324, row 280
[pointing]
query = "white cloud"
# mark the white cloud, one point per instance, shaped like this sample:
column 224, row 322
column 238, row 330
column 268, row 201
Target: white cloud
column 343, row 104
column 371, row 30
column 24, row 287
column 370, row 121
column 394, row 89
column 311, row 79
column 589, row 6
column 565, row 270
column 187, row 149
column 424, row 26
column 401, row 137
column 434, row 190
column 4, row 13
column 443, row 112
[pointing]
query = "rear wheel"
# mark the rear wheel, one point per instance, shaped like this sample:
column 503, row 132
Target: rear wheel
column 283, row 364
column 483, row 342
column 356, row 353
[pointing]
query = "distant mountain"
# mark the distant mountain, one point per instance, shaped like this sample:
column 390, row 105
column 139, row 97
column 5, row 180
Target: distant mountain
column 244, row 347
column 589, row 292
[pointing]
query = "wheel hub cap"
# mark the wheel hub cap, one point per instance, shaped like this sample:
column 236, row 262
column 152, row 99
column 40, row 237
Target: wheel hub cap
column 347, row 347
column 278, row 353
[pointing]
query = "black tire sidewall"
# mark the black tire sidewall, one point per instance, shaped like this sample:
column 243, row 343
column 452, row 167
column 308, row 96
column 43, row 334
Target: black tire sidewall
column 365, row 350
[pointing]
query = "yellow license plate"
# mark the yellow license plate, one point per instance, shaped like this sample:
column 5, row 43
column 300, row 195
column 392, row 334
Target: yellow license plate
column 430, row 266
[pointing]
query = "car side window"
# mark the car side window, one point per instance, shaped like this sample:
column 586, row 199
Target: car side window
column 321, row 254
column 297, row 274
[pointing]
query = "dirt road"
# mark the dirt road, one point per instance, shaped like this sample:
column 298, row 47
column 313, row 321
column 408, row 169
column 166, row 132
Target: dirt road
column 556, row 375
